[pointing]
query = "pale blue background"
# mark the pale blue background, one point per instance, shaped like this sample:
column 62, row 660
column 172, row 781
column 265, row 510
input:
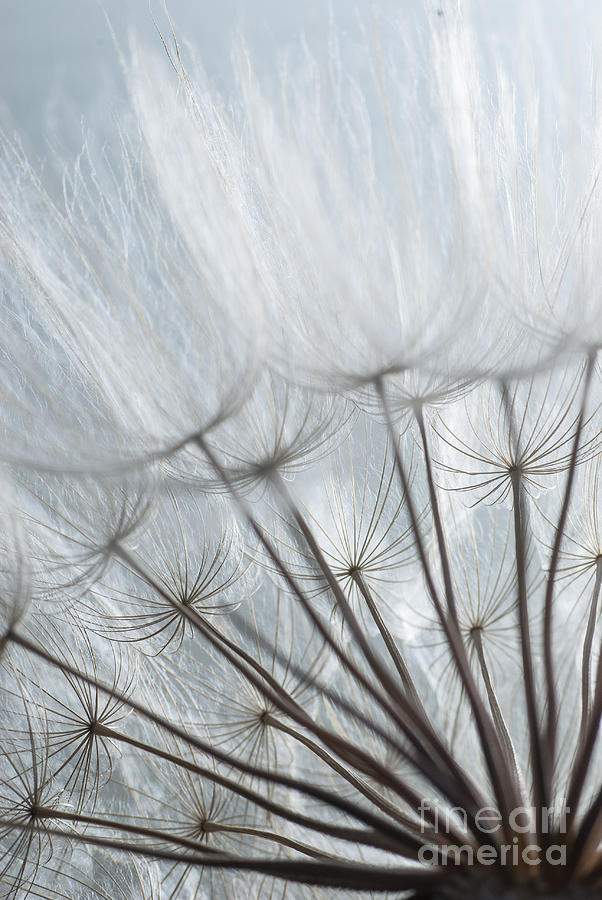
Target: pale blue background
column 59, row 53
column 55, row 52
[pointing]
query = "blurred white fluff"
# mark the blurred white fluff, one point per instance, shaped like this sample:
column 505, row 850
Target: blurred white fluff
column 143, row 301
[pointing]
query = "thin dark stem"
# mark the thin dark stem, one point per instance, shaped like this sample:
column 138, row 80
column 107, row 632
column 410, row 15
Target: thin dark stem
column 389, row 641
column 340, row 702
column 552, row 708
column 496, row 712
column 587, row 839
column 264, row 834
column 128, row 828
column 36, row 827
column 328, row 874
column 343, row 604
column 443, row 555
column 347, row 834
column 432, row 771
column 502, row 780
column 520, row 544
column 587, row 652
column 412, row 797
column 586, row 747
column 379, row 825
column 278, row 696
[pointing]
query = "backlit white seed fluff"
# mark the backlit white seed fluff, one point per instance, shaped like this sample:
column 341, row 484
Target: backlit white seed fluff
column 301, row 436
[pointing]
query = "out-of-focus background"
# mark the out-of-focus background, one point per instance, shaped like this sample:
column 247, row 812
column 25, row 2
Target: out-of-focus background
column 58, row 56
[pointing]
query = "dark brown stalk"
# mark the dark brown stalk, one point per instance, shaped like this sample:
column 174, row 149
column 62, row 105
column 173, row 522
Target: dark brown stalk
column 399, row 699
column 343, row 748
column 433, row 773
column 389, row 642
column 520, row 547
column 505, row 790
column 585, row 846
column 424, row 727
column 583, row 758
column 587, row 652
column 327, row 874
column 443, row 555
column 127, row 827
column 342, row 833
column 552, row 706
column 353, row 711
column 496, row 712
column 284, row 702
column 412, row 797
column 377, row 823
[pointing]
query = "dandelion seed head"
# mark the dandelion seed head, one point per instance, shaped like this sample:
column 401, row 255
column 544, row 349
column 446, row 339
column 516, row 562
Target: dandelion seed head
column 301, row 425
